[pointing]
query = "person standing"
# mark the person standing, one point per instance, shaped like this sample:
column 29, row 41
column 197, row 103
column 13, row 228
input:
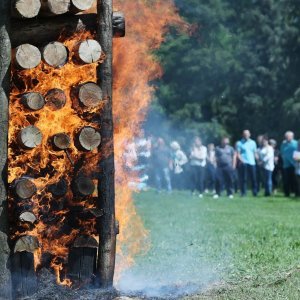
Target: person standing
column 211, row 169
column 179, row 160
column 266, row 157
column 161, row 158
column 226, row 164
column 198, row 156
column 287, row 149
column 246, row 151
column 296, row 156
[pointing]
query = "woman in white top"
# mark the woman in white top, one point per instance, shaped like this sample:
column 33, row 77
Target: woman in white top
column 198, row 157
column 266, row 156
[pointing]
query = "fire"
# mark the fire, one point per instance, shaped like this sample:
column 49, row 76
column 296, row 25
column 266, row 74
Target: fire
column 134, row 68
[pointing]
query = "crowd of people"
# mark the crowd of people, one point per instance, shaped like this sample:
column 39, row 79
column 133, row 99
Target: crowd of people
column 216, row 169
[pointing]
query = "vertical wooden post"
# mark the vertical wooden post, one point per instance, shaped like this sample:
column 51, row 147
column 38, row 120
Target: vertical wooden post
column 5, row 57
column 106, row 187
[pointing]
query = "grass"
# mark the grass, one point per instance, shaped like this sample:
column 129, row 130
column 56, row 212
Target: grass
column 244, row 248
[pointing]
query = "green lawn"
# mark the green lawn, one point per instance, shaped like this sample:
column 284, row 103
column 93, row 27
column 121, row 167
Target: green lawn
column 245, row 248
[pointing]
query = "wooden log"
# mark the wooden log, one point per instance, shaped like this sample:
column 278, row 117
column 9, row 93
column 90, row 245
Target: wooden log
column 27, row 56
column 56, row 99
column 83, row 186
column 88, row 51
column 33, row 101
column 106, row 180
column 62, row 141
column 55, row 54
column 5, row 60
column 28, row 217
column 27, row 243
column 55, row 7
column 82, row 260
column 30, row 137
column 42, row 30
column 26, row 8
column 25, row 188
column 90, row 94
column 59, row 189
column 89, row 138
column 81, row 5
column 119, row 24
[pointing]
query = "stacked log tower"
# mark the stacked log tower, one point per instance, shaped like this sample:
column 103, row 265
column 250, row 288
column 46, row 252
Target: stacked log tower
column 39, row 32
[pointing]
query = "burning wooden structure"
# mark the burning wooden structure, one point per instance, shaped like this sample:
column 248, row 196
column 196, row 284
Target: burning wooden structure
column 56, row 143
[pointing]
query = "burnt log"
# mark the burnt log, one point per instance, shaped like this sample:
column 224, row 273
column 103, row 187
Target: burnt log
column 33, row 101
column 82, row 260
column 5, row 60
column 81, row 5
column 55, row 54
column 23, row 274
column 89, row 138
column 26, row 8
column 88, row 51
column 55, row 7
column 59, row 189
column 27, row 56
column 30, row 137
column 106, row 180
column 27, row 217
column 83, row 186
column 61, row 141
column 90, row 94
column 25, row 188
column 41, row 31
column 56, row 99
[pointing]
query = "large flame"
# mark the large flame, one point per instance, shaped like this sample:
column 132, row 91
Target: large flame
column 134, row 68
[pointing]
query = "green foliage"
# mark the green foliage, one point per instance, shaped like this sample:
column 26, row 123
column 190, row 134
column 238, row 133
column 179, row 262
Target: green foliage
column 239, row 68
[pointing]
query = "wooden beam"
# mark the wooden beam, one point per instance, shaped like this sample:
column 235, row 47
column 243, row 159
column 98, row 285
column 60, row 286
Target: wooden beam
column 106, row 186
column 5, row 58
column 40, row 31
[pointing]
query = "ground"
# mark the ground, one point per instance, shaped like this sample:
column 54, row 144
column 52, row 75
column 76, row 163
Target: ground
column 245, row 248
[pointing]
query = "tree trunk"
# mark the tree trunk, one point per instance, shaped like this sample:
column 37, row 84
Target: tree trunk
column 55, row 7
column 55, row 54
column 5, row 52
column 30, row 137
column 89, row 138
column 33, row 101
column 90, row 94
column 106, row 186
column 56, row 99
column 40, row 31
column 26, row 8
column 88, row 51
column 27, row 56
column 25, row 188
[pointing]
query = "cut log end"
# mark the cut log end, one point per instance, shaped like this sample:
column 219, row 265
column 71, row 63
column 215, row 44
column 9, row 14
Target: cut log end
column 25, row 189
column 26, row 8
column 27, row 56
column 55, row 54
column 27, row 216
column 90, row 94
column 59, row 189
column 89, row 138
column 89, row 51
column 55, row 7
column 84, row 186
column 30, row 137
column 81, row 5
column 119, row 24
column 62, row 141
column 26, row 243
column 85, row 241
column 33, row 101
column 56, row 99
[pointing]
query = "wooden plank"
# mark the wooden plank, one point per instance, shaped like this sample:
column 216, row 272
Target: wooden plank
column 23, row 275
column 5, row 58
column 106, row 186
